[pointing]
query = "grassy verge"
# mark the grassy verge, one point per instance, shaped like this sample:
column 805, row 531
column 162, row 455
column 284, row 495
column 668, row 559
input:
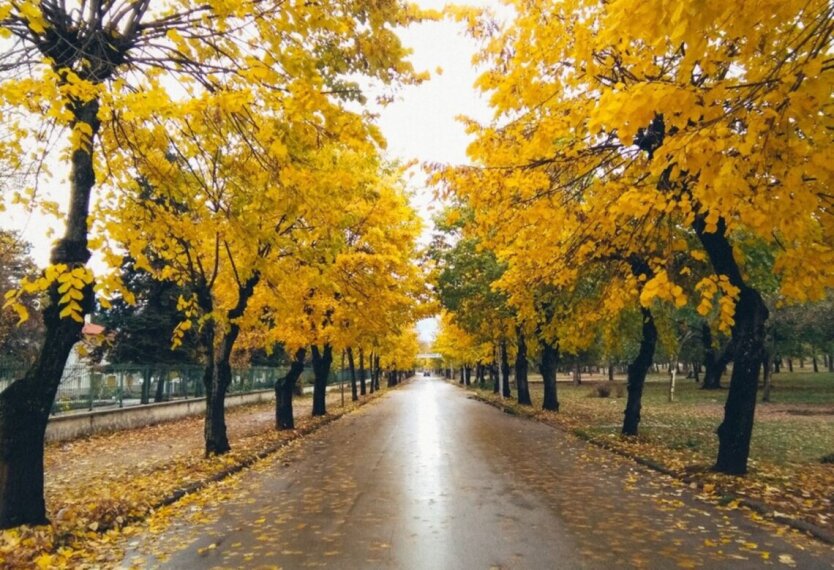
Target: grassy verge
column 787, row 479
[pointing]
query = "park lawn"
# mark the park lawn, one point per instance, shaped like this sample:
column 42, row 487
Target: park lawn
column 791, row 435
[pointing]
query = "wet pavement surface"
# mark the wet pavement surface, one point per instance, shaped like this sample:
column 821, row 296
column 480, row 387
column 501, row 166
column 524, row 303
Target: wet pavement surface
column 427, row 478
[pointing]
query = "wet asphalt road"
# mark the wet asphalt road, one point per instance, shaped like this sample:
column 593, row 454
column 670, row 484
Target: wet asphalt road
column 427, row 478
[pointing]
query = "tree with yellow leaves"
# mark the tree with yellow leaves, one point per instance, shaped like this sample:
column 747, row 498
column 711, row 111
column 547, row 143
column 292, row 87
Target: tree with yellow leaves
column 84, row 66
column 643, row 129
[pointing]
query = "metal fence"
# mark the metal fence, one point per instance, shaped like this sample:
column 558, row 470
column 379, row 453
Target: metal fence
column 85, row 388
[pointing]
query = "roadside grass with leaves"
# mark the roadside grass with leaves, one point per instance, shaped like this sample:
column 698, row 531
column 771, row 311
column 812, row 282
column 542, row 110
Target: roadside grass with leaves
column 791, row 435
column 99, row 489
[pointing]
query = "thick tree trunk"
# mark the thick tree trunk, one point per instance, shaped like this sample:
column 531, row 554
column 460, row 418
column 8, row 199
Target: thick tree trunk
column 505, row 371
column 218, row 374
column 550, row 359
column 748, row 340
column 790, row 364
column 462, row 375
column 815, row 363
column 637, row 371
column 284, row 389
column 25, row 405
column 611, row 372
column 521, row 370
column 468, row 375
column 577, row 374
column 322, row 359
column 362, row 374
column 354, row 394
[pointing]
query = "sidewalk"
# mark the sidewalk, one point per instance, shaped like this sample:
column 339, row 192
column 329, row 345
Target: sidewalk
column 98, row 486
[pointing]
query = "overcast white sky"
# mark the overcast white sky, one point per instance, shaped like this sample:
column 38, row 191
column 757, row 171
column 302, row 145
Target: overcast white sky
column 420, row 125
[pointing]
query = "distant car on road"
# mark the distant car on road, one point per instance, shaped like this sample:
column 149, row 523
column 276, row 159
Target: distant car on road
column 426, row 373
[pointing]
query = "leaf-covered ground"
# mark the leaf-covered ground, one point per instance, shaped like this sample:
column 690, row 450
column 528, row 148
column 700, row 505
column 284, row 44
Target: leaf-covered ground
column 790, row 437
column 98, row 489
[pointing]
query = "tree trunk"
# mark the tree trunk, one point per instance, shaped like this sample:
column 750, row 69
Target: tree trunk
column 468, row 376
column 748, row 340
column 159, row 395
column 494, row 377
column 284, row 389
column 521, row 370
column 322, row 359
column 610, row 371
column 831, row 362
column 696, row 372
column 715, row 364
column 767, row 373
column 790, row 364
column 377, row 374
column 392, row 378
column 577, row 374
column 354, row 394
column 550, row 359
column 505, row 371
column 25, row 405
column 218, row 375
column 462, row 375
column 145, row 397
column 362, row 377
column 637, row 371
column 815, row 363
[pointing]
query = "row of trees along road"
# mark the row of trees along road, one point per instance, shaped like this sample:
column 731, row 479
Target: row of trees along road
column 647, row 165
column 218, row 141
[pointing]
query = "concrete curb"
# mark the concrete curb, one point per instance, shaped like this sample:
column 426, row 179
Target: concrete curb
column 759, row 507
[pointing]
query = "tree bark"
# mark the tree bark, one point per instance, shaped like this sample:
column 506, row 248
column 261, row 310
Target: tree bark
column 145, row 397
column 362, row 373
column 377, row 373
column 218, row 375
column 767, row 374
column 322, row 359
column 815, row 362
column 468, row 375
column 550, row 359
column 25, row 405
column 748, row 339
column 521, row 370
column 715, row 363
column 159, row 395
column 505, row 371
column 790, row 364
column 831, row 362
column 284, row 389
column 354, row 394
column 637, row 371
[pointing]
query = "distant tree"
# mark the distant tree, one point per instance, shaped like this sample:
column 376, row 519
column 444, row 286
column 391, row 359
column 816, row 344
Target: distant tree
column 19, row 345
column 140, row 332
